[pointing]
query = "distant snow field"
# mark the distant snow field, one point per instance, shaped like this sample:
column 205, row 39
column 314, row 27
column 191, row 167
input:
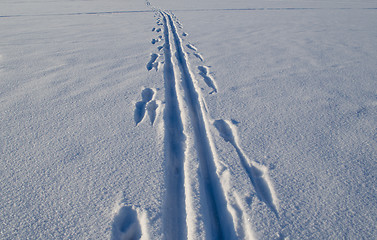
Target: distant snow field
column 161, row 119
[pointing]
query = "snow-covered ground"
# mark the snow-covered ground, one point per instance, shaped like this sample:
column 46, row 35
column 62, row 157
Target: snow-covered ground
column 195, row 119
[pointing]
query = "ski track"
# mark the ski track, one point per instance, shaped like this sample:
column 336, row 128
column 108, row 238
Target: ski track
column 174, row 149
column 221, row 226
column 185, row 109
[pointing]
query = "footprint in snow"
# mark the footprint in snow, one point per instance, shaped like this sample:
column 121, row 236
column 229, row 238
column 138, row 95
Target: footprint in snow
column 154, row 41
column 192, row 47
column 148, row 104
column 152, row 63
column 208, row 79
column 126, row 225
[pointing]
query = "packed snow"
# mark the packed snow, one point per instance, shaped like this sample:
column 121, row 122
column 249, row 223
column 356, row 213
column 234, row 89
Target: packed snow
column 201, row 119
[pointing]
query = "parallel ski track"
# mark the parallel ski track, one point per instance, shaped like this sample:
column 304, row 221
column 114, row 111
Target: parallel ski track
column 174, row 149
column 221, row 225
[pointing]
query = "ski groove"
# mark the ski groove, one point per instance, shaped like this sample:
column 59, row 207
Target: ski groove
column 174, row 149
column 221, row 226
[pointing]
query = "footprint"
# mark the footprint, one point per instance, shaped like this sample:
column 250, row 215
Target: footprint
column 235, row 122
column 199, row 56
column 146, row 105
column 191, row 47
column 158, row 30
column 152, row 63
column 126, row 225
column 258, row 174
column 208, row 79
column 139, row 112
column 153, row 29
column 147, row 94
column 151, row 108
column 184, row 34
column 154, row 41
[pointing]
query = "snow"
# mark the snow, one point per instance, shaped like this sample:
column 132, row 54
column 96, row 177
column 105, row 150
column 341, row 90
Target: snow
column 188, row 119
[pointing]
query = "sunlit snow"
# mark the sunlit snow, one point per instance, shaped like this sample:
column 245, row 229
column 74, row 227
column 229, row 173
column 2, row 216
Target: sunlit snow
column 201, row 119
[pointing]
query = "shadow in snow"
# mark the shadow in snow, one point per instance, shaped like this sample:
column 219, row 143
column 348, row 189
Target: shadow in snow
column 126, row 225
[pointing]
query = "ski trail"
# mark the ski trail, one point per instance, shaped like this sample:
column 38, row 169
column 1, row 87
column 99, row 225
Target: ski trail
column 175, row 227
column 198, row 201
column 221, row 225
column 258, row 174
column 208, row 79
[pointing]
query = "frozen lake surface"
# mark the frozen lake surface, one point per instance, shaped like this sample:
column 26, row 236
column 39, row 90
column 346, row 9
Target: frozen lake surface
column 193, row 119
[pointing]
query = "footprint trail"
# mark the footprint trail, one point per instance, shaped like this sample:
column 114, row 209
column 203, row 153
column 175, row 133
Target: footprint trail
column 198, row 203
column 258, row 174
